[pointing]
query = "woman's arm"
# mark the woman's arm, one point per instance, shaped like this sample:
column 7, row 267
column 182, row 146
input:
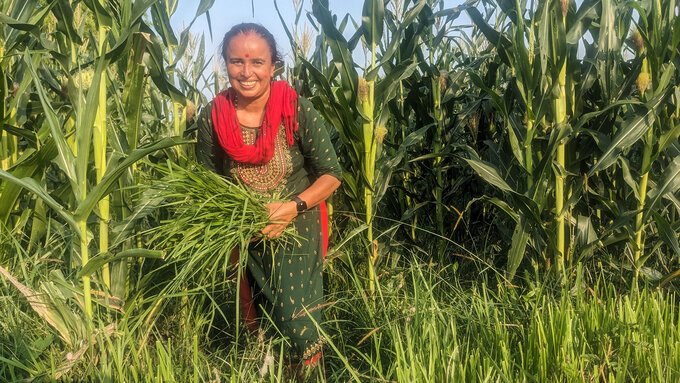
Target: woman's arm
column 282, row 213
column 320, row 158
column 207, row 149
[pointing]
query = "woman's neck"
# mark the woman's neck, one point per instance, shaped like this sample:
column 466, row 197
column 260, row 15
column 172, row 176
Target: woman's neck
column 252, row 106
column 251, row 112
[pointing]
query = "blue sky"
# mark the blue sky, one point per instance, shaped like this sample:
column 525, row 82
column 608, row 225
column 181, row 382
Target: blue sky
column 226, row 13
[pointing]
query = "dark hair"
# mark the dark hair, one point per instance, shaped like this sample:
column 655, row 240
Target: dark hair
column 245, row 28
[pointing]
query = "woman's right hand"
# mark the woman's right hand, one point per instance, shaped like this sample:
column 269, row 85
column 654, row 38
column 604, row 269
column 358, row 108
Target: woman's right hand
column 280, row 215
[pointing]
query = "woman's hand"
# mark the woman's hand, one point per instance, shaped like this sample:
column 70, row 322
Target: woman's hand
column 280, row 215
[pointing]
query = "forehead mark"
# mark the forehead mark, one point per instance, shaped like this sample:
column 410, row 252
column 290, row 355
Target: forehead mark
column 247, row 55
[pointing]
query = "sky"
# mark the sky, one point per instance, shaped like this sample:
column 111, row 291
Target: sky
column 225, row 13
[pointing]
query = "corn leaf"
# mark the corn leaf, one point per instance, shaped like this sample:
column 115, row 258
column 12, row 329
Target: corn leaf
column 33, row 186
column 664, row 80
column 667, row 234
column 161, row 21
column 95, row 263
column 65, row 158
column 40, row 307
column 631, row 132
column 585, row 233
column 117, row 167
column 146, row 205
column 669, row 137
column 101, row 14
column 372, row 21
column 520, row 238
column 33, row 24
column 497, row 39
column 139, row 9
column 489, row 173
column 85, row 126
column 154, row 61
column 64, row 15
column 133, row 93
column 585, row 15
column 203, row 7
column 669, row 183
column 342, row 57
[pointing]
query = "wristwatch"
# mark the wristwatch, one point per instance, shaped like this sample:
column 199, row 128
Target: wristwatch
column 300, row 204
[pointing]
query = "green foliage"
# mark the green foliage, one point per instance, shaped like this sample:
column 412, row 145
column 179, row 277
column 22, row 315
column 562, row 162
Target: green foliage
column 427, row 324
column 609, row 122
column 537, row 138
column 208, row 217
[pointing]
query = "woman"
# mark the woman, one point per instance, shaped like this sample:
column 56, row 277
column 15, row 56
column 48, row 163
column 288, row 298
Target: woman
column 260, row 132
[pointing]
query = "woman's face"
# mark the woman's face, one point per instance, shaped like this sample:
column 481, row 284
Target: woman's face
column 249, row 66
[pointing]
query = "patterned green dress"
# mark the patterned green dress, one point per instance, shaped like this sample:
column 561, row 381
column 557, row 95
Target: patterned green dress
column 288, row 284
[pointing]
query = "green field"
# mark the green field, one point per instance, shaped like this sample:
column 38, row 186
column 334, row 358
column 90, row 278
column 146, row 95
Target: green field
column 509, row 210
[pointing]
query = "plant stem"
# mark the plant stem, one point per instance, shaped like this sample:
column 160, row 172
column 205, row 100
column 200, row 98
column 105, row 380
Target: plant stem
column 437, row 85
column 99, row 147
column 84, row 258
column 82, row 195
column 4, row 144
column 176, row 118
column 560, row 118
column 646, row 165
column 4, row 151
column 528, row 152
column 639, row 225
column 370, row 148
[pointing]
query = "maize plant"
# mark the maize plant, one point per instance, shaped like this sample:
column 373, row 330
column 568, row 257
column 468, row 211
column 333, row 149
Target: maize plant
column 535, row 71
column 657, row 70
column 579, row 115
column 68, row 84
column 357, row 106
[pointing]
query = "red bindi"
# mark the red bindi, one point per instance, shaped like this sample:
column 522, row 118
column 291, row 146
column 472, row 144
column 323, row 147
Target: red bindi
column 247, row 55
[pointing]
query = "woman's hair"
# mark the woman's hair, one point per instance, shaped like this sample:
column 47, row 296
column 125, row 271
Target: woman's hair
column 245, row 28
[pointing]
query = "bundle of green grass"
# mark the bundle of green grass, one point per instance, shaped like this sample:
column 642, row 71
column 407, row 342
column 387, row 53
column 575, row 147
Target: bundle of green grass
column 207, row 217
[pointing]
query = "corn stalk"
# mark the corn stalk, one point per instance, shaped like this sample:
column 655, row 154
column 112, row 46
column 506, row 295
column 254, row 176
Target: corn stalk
column 560, row 120
column 358, row 109
column 652, row 80
column 65, row 136
column 366, row 101
column 4, row 142
column 100, row 147
column 438, row 84
column 538, row 60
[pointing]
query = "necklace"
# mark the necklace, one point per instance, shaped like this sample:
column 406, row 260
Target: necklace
column 236, row 109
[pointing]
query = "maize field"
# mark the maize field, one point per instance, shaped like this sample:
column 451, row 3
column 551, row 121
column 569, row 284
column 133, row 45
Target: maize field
column 509, row 208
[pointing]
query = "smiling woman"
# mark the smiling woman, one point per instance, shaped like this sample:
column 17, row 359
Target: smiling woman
column 262, row 134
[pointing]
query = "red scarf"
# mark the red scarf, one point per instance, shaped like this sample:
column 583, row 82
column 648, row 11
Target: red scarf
column 281, row 107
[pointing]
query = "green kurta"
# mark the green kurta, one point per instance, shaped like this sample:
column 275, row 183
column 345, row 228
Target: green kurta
column 289, row 283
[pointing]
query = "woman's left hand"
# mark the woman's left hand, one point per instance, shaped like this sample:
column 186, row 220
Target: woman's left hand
column 280, row 215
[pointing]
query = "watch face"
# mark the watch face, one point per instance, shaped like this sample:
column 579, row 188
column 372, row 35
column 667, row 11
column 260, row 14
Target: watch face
column 301, row 205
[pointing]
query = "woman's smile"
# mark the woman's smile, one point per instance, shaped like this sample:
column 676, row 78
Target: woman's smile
column 247, row 84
